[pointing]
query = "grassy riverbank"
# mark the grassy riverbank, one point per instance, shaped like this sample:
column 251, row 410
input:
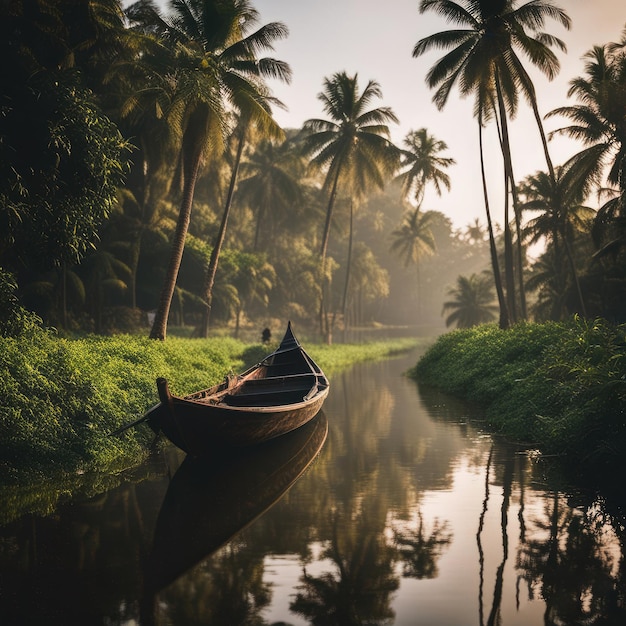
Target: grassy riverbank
column 62, row 397
column 558, row 386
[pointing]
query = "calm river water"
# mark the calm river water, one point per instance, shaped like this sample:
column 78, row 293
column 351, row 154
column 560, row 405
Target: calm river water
column 391, row 507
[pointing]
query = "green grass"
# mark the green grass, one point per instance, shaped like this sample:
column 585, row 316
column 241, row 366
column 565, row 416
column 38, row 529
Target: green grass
column 559, row 386
column 337, row 357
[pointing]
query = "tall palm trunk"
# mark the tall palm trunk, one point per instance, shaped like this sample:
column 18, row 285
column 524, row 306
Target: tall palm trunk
column 559, row 277
column 544, row 141
column 519, row 249
column 135, row 252
column 508, row 242
column 257, row 230
column 504, row 321
column 344, row 306
column 159, row 327
column 568, row 251
column 191, row 156
column 238, row 321
column 64, row 295
column 518, row 233
column 325, row 329
column 570, row 259
column 329, row 214
column 263, row 205
column 418, row 284
column 209, row 280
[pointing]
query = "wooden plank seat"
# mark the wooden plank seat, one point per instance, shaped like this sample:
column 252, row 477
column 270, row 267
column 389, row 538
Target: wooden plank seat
column 269, row 397
column 285, row 368
column 281, row 381
column 277, row 390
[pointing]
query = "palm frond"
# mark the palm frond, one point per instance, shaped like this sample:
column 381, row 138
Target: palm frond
column 450, row 11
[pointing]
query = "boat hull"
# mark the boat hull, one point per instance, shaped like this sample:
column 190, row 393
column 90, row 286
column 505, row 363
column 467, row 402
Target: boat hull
column 197, row 429
column 278, row 395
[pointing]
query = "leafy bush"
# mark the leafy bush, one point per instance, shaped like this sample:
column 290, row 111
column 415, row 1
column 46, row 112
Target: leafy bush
column 561, row 386
column 14, row 319
column 63, row 397
column 587, row 372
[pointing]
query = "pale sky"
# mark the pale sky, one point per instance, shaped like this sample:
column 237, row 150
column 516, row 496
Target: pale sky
column 375, row 39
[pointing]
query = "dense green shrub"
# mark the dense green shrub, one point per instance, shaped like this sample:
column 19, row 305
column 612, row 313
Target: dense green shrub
column 561, row 386
column 14, row 319
column 587, row 372
column 62, row 398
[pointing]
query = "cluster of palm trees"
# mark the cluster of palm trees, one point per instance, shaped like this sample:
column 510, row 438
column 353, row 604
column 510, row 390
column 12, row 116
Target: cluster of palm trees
column 189, row 89
column 483, row 59
column 227, row 98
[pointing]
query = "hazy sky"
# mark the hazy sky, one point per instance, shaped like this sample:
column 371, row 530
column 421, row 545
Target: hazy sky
column 375, row 39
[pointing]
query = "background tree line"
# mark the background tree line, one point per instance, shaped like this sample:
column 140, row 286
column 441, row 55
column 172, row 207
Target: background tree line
column 142, row 170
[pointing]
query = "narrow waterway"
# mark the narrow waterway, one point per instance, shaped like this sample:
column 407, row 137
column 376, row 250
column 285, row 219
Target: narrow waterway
column 391, row 507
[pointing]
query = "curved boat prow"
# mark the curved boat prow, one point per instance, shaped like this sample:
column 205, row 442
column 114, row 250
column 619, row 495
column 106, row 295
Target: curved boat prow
column 164, row 391
column 289, row 340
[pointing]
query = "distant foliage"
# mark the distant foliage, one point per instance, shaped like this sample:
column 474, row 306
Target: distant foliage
column 14, row 319
column 561, row 386
column 473, row 301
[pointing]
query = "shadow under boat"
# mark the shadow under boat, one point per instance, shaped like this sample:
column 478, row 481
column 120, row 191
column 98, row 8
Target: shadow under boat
column 210, row 500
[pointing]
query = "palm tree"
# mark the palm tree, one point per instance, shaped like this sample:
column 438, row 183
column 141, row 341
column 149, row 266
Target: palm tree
column 562, row 216
column 472, row 303
column 253, row 280
column 296, row 292
column 474, row 232
column 423, row 165
column 414, row 240
column 598, row 121
column 212, row 64
column 352, row 147
column 550, row 296
column 368, row 283
column 255, row 112
column 483, row 60
column 54, row 295
column 104, row 275
column 270, row 183
column 136, row 220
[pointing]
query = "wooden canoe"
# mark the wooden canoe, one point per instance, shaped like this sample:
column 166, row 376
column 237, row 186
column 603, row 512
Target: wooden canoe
column 281, row 393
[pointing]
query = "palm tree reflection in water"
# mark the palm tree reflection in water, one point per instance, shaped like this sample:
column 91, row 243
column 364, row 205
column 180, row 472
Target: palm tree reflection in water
column 410, row 514
column 566, row 556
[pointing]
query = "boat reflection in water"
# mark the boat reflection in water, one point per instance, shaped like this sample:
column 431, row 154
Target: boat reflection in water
column 210, row 500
